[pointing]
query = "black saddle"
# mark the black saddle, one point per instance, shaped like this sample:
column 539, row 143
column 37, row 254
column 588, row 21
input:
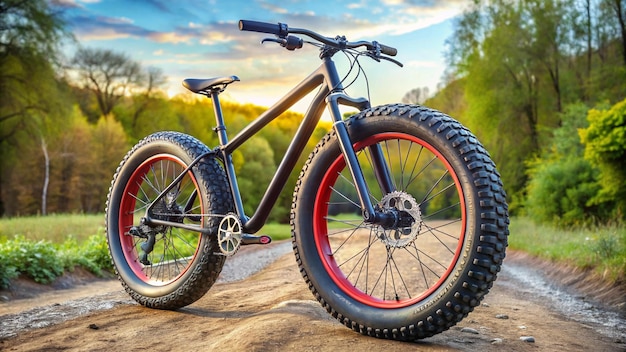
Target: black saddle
column 205, row 85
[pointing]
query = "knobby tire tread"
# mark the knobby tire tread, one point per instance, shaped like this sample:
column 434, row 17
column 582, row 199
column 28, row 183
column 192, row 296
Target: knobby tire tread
column 210, row 176
column 490, row 244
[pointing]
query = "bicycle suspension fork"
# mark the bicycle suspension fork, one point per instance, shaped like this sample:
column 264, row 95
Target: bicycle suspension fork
column 381, row 171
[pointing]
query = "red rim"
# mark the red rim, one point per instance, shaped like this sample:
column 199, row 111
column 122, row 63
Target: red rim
column 324, row 247
column 128, row 204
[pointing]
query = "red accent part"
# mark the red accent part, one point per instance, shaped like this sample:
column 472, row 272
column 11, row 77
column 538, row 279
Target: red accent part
column 320, row 229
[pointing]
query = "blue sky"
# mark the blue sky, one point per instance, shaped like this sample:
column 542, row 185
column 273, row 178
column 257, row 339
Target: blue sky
column 200, row 39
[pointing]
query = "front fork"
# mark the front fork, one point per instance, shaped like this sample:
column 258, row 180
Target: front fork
column 370, row 213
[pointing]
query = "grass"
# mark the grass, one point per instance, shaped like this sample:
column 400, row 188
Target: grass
column 601, row 248
column 78, row 239
column 44, row 247
column 54, row 228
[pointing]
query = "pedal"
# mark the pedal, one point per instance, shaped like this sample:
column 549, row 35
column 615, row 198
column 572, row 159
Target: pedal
column 253, row 239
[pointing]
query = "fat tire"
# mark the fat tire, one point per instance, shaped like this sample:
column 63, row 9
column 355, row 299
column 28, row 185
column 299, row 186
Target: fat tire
column 213, row 190
column 484, row 244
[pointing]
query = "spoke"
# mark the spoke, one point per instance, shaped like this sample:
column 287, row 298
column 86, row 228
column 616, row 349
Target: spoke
column 403, row 165
column 436, row 228
column 343, row 243
column 345, row 197
column 421, row 171
column 150, row 185
column 395, row 265
column 417, row 159
column 417, row 253
column 441, row 210
column 393, row 179
column 347, row 222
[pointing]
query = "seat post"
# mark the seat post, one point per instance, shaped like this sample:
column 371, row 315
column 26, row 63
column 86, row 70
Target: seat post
column 220, row 129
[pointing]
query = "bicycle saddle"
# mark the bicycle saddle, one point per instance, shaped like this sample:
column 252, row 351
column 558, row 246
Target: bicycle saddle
column 201, row 85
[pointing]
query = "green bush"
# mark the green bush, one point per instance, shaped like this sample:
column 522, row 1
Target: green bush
column 605, row 148
column 96, row 251
column 562, row 183
column 7, row 270
column 43, row 261
column 37, row 260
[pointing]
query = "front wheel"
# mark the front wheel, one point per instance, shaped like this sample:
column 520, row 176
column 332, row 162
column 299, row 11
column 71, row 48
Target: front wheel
column 424, row 273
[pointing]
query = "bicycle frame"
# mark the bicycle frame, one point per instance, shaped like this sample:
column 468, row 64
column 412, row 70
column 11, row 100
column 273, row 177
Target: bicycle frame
column 331, row 94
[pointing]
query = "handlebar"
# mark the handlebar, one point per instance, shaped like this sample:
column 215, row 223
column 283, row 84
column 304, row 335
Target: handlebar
column 282, row 30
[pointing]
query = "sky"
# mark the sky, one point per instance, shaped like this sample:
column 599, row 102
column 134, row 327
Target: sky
column 201, row 39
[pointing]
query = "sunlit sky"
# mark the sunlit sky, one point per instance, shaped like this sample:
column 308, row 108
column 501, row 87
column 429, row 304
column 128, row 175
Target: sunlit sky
column 201, row 39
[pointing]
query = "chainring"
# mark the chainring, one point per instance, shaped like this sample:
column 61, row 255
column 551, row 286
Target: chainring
column 409, row 219
column 229, row 235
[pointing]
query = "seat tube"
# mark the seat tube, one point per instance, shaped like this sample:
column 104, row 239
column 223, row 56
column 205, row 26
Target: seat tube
column 220, row 129
column 350, row 157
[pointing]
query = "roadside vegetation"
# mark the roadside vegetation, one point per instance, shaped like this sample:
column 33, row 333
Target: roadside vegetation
column 601, row 249
column 44, row 248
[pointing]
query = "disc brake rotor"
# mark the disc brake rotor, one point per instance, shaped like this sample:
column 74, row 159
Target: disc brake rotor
column 408, row 225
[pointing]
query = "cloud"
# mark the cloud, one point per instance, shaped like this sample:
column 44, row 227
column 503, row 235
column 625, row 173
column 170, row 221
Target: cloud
column 273, row 8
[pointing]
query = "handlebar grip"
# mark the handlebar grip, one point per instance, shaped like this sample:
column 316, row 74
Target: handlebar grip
column 279, row 29
column 387, row 50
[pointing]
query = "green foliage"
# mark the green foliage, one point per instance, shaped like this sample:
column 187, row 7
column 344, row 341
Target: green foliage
column 559, row 192
column 516, row 68
column 37, row 260
column 598, row 248
column 562, row 183
column 44, row 261
column 7, row 270
column 43, row 248
column 605, row 148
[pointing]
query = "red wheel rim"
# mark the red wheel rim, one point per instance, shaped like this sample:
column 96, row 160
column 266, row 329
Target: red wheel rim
column 135, row 189
column 328, row 254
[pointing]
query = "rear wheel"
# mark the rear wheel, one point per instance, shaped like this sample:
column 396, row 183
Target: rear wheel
column 161, row 266
column 425, row 272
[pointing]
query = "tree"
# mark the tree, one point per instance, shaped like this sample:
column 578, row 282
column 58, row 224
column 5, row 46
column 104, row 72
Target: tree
column 510, row 55
column 142, row 101
column 562, row 183
column 108, row 75
column 605, row 148
column 619, row 10
column 416, row 96
column 30, row 33
column 108, row 146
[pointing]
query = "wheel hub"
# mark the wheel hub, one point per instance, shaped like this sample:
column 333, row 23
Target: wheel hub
column 408, row 219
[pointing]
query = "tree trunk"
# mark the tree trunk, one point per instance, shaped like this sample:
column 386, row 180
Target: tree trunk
column 589, row 36
column 619, row 11
column 46, row 179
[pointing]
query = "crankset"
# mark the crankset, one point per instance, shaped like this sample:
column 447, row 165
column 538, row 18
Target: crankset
column 229, row 235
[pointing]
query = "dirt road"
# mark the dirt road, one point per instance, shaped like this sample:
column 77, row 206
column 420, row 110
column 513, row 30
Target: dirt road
column 273, row 310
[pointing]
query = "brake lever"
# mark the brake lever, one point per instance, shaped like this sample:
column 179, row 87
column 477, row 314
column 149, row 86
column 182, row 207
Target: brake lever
column 392, row 60
column 274, row 40
column 290, row 42
column 373, row 55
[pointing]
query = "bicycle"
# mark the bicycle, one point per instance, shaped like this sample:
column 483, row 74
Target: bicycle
column 399, row 220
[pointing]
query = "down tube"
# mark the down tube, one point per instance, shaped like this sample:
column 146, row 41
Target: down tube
column 299, row 142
